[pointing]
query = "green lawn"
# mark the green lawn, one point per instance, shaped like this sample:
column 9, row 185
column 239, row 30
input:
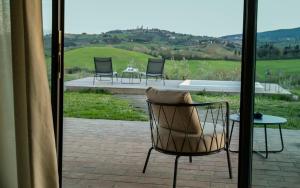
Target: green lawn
column 206, row 69
column 288, row 66
column 98, row 105
column 273, row 105
column 192, row 69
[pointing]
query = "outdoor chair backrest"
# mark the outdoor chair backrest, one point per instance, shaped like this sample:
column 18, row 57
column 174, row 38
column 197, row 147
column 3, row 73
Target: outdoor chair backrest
column 181, row 126
column 103, row 65
column 184, row 119
column 155, row 66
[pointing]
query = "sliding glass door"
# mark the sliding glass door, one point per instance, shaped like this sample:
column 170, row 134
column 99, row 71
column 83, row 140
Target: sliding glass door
column 276, row 135
column 247, row 89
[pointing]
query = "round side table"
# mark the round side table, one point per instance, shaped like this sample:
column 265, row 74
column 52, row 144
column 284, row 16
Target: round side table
column 264, row 121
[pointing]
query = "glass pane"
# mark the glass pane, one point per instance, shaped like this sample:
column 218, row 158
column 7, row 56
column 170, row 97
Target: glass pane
column 201, row 44
column 47, row 31
column 8, row 158
column 276, row 159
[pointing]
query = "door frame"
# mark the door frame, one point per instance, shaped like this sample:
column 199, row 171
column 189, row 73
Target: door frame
column 247, row 93
column 57, row 78
column 247, row 86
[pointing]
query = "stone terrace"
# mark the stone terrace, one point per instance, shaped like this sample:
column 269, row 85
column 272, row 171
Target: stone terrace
column 111, row 154
column 188, row 85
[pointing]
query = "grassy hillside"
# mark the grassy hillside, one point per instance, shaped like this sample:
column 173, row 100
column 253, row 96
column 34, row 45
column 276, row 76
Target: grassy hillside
column 157, row 42
column 83, row 58
column 278, row 44
column 192, row 69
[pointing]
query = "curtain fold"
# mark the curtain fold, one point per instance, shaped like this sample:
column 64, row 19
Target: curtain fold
column 35, row 144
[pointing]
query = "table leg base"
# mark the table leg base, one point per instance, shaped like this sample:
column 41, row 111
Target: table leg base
column 261, row 152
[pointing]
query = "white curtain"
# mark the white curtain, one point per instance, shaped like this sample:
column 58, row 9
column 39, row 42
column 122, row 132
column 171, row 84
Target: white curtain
column 26, row 119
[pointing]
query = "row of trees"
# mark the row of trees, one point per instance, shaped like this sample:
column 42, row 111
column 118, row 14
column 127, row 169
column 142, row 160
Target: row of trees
column 270, row 51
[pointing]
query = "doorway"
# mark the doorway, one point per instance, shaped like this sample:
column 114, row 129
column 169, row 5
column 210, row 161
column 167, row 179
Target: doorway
column 87, row 156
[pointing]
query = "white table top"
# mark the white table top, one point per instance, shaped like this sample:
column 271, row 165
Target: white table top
column 131, row 69
column 266, row 119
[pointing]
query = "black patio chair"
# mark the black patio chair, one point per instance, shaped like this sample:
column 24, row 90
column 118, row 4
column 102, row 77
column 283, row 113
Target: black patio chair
column 103, row 68
column 155, row 69
column 182, row 128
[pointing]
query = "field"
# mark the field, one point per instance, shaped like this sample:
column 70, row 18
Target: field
column 99, row 105
column 274, row 105
column 94, row 105
column 79, row 63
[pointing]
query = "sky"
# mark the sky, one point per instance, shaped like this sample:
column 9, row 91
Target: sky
column 198, row 17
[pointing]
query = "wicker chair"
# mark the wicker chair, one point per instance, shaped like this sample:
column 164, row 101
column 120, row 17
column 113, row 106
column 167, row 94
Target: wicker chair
column 155, row 69
column 182, row 128
column 103, row 68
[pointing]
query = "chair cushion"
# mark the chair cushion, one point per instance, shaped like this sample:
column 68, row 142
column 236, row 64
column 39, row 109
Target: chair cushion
column 182, row 119
column 174, row 141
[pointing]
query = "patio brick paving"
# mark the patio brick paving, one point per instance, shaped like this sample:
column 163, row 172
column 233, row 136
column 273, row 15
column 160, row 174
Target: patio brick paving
column 111, row 154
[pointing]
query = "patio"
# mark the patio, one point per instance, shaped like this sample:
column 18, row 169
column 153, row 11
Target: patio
column 109, row 153
column 190, row 85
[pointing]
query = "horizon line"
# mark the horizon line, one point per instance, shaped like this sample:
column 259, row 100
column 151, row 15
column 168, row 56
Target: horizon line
column 47, row 32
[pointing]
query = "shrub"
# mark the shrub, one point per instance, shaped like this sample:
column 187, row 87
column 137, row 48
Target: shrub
column 179, row 70
column 76, row 69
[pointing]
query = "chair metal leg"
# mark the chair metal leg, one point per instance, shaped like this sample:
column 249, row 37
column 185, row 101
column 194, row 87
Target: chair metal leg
column 232, row 127
column 191, row 160
column 147, row 159
column 175, row 171
column 229, row 162
column 230, row 137
column 94, row 80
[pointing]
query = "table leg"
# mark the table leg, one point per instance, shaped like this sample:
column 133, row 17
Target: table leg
column 266, row 141
column 267, row 151
column 282, row 145
column 140, row 76
column 266, row 145
column 122, row 77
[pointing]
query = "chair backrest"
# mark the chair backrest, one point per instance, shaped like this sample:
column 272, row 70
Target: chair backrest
column 103, row 65
column 155, row 66
column 181, row 126
column 184, row 119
